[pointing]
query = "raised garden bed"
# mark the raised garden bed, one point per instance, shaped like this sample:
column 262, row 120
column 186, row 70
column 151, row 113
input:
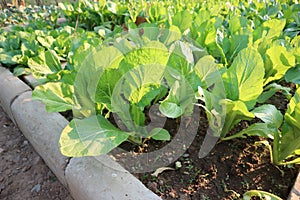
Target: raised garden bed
column 87, row 178
column 165, row 90
column 231, row 168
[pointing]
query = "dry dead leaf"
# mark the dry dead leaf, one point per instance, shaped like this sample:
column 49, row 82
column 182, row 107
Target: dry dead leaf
column 160, row 170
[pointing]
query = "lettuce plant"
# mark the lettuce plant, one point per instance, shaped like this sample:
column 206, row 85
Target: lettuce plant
column 283, row 130
column 123, row 80
column 286, row 147
column 229, row 56
column 243, row 83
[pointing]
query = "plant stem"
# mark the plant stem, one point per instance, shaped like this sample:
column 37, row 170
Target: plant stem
column 76, row 25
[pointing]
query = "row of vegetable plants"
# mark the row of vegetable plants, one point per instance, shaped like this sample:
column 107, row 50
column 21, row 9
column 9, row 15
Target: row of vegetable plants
column 31, row 14
column 228, row 58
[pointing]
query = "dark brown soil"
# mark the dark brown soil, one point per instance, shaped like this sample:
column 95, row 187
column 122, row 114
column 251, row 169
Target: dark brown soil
column 23, row 173
column 232, row 168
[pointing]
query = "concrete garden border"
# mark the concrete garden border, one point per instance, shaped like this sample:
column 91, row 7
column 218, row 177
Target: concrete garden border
column 86, row 178
column 295, row 192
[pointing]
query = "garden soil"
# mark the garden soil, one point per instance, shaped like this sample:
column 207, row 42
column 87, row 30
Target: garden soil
column 23, row 173
column 231, row 168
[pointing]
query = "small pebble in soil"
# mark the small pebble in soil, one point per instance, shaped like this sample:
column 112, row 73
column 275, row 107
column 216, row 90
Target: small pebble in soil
column 25, row 142
column 36, row 160
column 26, row 168
column 170, row 159
column 183, row 196
column 1, row 150
column 161, row 182
column 152, row 186
column 36, row 188
column 16, row 159
column 2, row 187
column 9, row 143
column 186, row 155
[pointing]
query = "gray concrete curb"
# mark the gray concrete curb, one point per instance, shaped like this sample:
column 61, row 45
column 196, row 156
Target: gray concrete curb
column 43, row 130
column 10, row 87
column 114, row 182
column 295, row 192
column 87, row 178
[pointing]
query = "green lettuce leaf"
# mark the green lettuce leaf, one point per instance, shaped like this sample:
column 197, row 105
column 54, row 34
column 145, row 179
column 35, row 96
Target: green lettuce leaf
column 244, row 79
column 180, row 99
column 278, row 61
column 236, row 111
column 160, row 134
column 261, row 194
column 47, row 62
column 269, row 114
column 91, row 136
column 183, row 20
column 57, row 97
column 272, row 119
column 293, row 75
column 288, row 142
column 86, row 87
column 271, row 89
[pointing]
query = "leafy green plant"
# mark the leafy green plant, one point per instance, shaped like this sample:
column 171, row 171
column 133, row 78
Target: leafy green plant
column 271, row 89
column 138, row 76
column 43, row 49
column 46, row 15
column 283, row 130
column 261, row 194
column 230, row 56
column 104, row 15
column 243, row 83
column 286, row 143
column 124, row 82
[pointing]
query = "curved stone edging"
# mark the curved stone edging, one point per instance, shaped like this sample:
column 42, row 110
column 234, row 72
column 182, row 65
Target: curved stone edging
column 42, row 129
column 10, row 88
column 87, row 178
column 295, row 191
